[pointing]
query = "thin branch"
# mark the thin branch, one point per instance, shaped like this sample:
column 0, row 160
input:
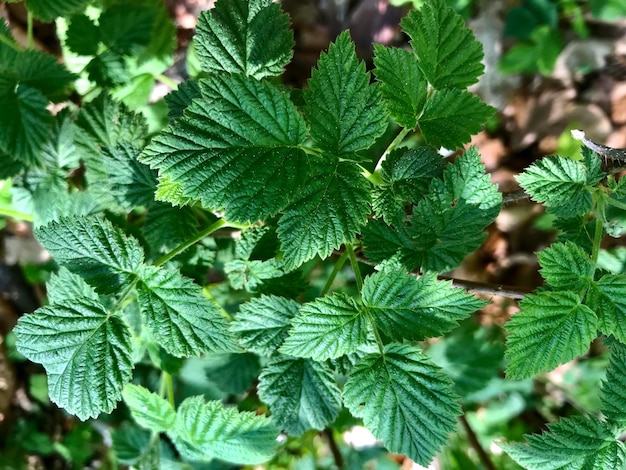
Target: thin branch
column 483, row 456
column 487, row 288
column 334, row 448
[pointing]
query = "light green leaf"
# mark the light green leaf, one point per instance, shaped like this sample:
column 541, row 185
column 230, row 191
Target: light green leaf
column 262, row 324
column 250, row 274
column 132, row 183
column 344, row 111
column 47, row 11
column 102, row 254
column 65, row 285
column 403, row 84
column 250, row 37
column 408, row 308
column 301, row 394
column 60, row 152
column 149, row 410
column 560, row 183
column 606, row 298
column 235, row 148
column 406, row 175
column 327, row 328
column 205, row 431
column 566, row 265
column 551, row 329
column 329, row 211
column 448, row 223
column 405, row 400
column 85, row 350
column 25, row 124
column 447, row 51
column 179, row 318
column 451, row 117
column 576, row 443
column 171, row 192
column 613, row 394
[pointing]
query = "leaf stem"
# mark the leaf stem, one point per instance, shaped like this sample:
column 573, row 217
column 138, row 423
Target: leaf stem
column 7, row 41
column 473, row 440
column 169, row 385
column 17, row 215
column 29, row 31
column 616, row 203
column 221, row 223
column 597, row 237
column 394, row 143
column 167, row 81
column 355, row 266
column 338, row 265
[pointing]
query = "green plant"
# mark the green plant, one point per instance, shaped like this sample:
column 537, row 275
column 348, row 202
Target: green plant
column 275, row 191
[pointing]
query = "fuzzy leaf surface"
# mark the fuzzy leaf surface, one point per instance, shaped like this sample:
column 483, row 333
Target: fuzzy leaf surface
column 85, row 350
column 613, row 394
column 560, row 183
column 329, row 211
column 344, row 111
column 566, row 265
column 576, row 443
column 149, row 410
column 301, row 394
column 244, row 37
column 235, row 148
column 408, row 308
column 447, row 51
column 262, row 324
column 65, row 285
column 91, row 247
column 179, row 318
column 403, row 84
column 551, row 329
column 404, row 399
column 207, row 430
column 452, row 116
column 326, row 328
column 606, row 298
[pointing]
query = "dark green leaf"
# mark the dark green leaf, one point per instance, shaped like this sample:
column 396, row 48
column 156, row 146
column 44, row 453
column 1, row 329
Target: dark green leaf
column 606, row 298
column 613, row 394
column 47, row 11
column 232, row 373
column 405, row 400
column 250, row 37
column 83, row 36
column 166, row 227
column 301, row 394
column 178, row 100
column 126, row 28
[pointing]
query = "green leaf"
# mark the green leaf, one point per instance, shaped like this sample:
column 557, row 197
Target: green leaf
column 65, row 286
column 606, row 298
column 448, row 224
column 344, row 111
column 327, row 328
column 451, row 117
column 233, row 374
column 329, row 211
column 235, row 148
column 149, row 410
column 82, row 36
column 85, row 350
column 560, row 183
column 405, row 400
column 593, row 166
column 403, row 84
column 572, row 443
column 24, row 124
column 447, row 51
column 102, row 254
column 613, row 394
column 406, row 175
column 47, row 11
column 300, row 393
column 178, row 100
column 566, row 265
column 179, row 318
column 166, row 227
column 204, row 431
column 251, row 274
column 108, row 69
column 262, row 324
column 132, row 183
column 408, row 308
column 551, row 329
column 60, row 151
column 125, row 29
column 250, row 37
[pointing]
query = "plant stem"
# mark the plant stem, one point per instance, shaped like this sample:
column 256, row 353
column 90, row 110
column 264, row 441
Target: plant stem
column 206, row 232
column 16, row 215
column 597, row 237
column 616, row 203
column 355, row 266
column 169, row 385
column 29, row 31
column 334, row 448
column 338, row 265
column 167, row 81
column 394, row 143
column 473, row 440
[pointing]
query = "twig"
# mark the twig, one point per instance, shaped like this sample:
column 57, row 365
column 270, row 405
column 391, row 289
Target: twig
column 487, row 288
column 334, row 448
column 473, row 440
